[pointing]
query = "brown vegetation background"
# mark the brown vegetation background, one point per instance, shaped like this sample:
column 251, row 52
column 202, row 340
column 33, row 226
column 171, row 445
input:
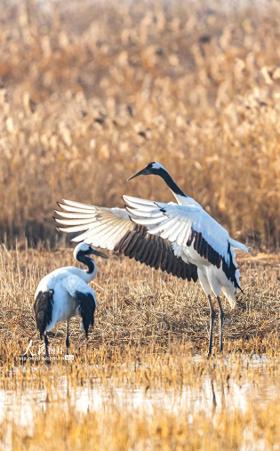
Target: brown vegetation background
column 92, row 91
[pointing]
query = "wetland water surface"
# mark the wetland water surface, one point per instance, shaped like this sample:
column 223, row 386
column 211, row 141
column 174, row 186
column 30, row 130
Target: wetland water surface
column 210, row 394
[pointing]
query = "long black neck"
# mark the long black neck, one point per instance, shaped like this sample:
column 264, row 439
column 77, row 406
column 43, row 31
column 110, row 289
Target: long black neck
column 170, row 182
column 86, row 261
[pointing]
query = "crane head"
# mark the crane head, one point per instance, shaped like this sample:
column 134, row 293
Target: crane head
column 151, row 168
column 87, row 249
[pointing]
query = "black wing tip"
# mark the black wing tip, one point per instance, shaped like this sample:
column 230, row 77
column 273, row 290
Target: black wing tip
column 56, row 213
column 56, row 220
column 61, row 203
column 59, row 229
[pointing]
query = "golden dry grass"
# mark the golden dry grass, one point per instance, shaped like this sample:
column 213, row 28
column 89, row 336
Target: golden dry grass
column 149, row 329
column 89, row 93
column 94, row 91
column 137, row 305
column 146, row 339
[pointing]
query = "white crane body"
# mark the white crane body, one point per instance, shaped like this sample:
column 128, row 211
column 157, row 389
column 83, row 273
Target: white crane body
column 196, row 237
column 64, row 293
column 179, row 238
column 65, row 283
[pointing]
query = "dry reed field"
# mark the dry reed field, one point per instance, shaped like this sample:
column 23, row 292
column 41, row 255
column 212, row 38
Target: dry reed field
column 138, row 305
column 143, row 380
column 90, row 92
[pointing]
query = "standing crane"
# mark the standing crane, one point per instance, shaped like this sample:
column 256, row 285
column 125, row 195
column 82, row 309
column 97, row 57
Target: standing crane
column 179, row 238
column 64, row 293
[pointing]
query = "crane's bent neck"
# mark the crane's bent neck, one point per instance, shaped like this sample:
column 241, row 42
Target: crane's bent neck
column 172, row 185
column 92, row 270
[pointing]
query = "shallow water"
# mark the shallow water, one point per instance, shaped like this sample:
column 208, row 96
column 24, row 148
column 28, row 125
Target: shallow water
column 210, row 396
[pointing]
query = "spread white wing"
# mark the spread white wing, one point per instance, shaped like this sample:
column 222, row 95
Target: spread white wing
column 100, row 226
column 185, row 226
column 113, row 229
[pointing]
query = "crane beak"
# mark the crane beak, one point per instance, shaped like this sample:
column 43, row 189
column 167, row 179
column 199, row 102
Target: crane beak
column 142, row 172
column 98, row 253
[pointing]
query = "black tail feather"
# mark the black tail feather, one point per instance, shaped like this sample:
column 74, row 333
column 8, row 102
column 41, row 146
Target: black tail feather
column 43, row 306
column 87, row 309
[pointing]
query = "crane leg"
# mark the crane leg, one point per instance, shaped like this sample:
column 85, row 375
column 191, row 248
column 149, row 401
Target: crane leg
column 212, row 318
column 67, row 338
column 47, row 355
column 221, row 322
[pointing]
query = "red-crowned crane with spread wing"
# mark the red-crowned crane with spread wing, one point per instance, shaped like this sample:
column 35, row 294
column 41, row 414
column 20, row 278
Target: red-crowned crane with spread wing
column 179, row 238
